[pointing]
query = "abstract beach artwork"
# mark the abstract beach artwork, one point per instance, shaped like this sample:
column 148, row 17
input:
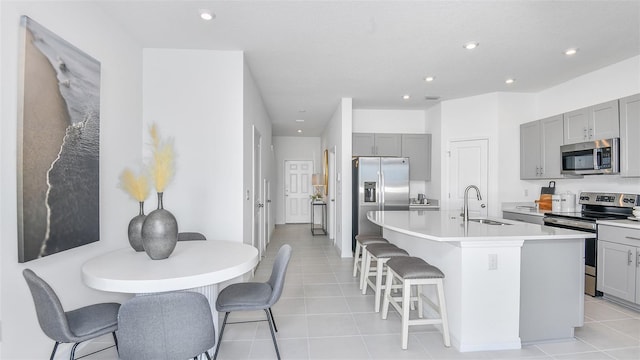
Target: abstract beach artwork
column 58, row 145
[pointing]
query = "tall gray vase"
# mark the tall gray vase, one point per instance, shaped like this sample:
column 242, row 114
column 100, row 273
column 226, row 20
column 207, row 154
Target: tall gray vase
column 159, row 232
column 135, row 230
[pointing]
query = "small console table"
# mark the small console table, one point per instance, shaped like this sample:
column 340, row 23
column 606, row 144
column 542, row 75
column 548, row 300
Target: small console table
column 319, row 229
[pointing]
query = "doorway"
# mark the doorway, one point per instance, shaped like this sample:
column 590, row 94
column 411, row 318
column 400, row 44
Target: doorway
column 297, row 190
column 468, row 161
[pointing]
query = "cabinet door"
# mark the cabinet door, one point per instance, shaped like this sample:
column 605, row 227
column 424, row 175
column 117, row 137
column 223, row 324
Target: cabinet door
column 576, row 125
column 417, row 147
column 388, row 144
column 617, row 270
column 552, row 130
column 630, row 136
column 530, row 150
column 363, row 144
column 605, row 123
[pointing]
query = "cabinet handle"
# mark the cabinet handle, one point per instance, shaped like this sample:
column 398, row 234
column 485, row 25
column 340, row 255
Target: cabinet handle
column 537, row 171
column 584, row 130
column 541, row 171
column 638, row 259
column 590, row 133
column 629, row 257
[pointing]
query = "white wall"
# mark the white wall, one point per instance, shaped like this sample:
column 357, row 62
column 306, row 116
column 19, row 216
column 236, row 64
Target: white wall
column 255, row 114
column 433, row 116
column 121, row 143
column 292, row 148
column 497, row 116
column 201, row 107
column 338, row 134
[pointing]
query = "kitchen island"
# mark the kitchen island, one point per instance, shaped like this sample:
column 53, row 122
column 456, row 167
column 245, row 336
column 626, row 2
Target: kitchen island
column 505, row 285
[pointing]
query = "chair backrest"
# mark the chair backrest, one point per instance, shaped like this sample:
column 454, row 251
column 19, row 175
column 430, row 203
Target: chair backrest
column 176, row 325
column 276, row 280
column 188, row 236
column 51, row 315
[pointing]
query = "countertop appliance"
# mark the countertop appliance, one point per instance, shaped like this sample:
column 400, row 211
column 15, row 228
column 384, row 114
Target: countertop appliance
column 594, row 206
column 592, row 157
column 379, row 183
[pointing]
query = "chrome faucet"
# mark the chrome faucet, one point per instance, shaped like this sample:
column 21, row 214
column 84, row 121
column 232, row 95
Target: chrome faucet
column 465, row 211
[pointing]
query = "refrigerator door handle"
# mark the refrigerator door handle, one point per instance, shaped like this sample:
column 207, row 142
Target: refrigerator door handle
column 382, row 190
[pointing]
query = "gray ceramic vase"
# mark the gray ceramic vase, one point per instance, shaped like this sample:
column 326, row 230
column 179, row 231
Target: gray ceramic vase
column 135, row 230
column 159, row 232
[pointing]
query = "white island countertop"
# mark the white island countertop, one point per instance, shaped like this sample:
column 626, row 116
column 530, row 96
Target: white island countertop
column 448, row 226
column 504, row 284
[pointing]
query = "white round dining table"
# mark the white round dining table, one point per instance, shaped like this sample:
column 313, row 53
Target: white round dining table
column 194, row 265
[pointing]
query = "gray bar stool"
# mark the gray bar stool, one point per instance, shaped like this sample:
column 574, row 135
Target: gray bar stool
column 415, row 271
column 380, row 254
column 362, row 240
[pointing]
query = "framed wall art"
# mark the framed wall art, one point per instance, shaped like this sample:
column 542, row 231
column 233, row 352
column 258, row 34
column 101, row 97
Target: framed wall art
column 58, row 145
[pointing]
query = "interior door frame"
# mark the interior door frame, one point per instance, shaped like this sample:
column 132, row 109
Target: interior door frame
column 257, row 224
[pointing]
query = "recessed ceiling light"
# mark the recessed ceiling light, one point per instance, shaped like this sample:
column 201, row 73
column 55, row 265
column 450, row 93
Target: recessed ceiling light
column 299, row 131
column 406, row 97
column 571, row 51
column 206, row 14
column 429, row 78
column 510, row 81
column 471, row 45
column 299, row 120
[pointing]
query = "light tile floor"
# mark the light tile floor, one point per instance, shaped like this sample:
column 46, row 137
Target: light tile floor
column 322, row 315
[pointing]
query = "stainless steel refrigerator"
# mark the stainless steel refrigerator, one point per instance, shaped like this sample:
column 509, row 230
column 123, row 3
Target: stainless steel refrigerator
column 379, row 183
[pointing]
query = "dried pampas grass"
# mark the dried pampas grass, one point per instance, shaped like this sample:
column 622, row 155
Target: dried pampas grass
column 136, row 186
column 162, row 164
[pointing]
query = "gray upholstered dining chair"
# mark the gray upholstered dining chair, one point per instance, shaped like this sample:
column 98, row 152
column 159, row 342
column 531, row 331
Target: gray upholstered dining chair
column 188, row 236
column 169, row 326
column 73, row 326
column 251, row 296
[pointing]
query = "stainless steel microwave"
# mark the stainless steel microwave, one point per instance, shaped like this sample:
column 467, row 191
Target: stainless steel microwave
column 592, row 157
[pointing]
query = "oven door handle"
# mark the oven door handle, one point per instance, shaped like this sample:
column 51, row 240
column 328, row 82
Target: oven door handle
column 571, row 223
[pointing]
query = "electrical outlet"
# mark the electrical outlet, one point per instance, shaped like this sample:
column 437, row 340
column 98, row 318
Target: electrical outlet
column 493, row 261
column 526, row 192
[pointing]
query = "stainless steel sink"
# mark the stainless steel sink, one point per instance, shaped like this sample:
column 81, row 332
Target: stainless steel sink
column 488, row 222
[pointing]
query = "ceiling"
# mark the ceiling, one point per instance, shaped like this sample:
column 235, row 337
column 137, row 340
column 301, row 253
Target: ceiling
column 306, row 55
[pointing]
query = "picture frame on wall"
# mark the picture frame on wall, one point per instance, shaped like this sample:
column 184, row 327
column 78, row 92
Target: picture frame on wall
column 58, row 145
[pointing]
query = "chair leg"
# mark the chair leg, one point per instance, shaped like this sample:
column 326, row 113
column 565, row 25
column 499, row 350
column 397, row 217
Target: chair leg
column 224, row 322
column 115, row 340
column 73, row 351
column 356, row 259
column 53, row 353
column 273, row 334
column 274, row 320
column 207, row 353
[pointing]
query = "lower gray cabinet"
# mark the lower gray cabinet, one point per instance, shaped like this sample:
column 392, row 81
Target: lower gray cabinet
column 619, row 262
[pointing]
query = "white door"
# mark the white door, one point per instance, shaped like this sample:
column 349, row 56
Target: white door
column 258, row 200
column 297, row 189
column 332, row 194
column 267, row 212
column 468, row 166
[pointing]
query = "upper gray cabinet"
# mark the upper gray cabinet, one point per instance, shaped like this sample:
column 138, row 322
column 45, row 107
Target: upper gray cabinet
column 417, row 147
column 592, row 123
column 630, row 136
column 369, row 144
column 540, row 143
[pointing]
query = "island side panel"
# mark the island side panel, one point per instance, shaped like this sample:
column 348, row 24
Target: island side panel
column 483, row 305
column 552, row 299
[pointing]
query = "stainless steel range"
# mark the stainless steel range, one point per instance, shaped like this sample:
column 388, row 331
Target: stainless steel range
column 594, row 206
